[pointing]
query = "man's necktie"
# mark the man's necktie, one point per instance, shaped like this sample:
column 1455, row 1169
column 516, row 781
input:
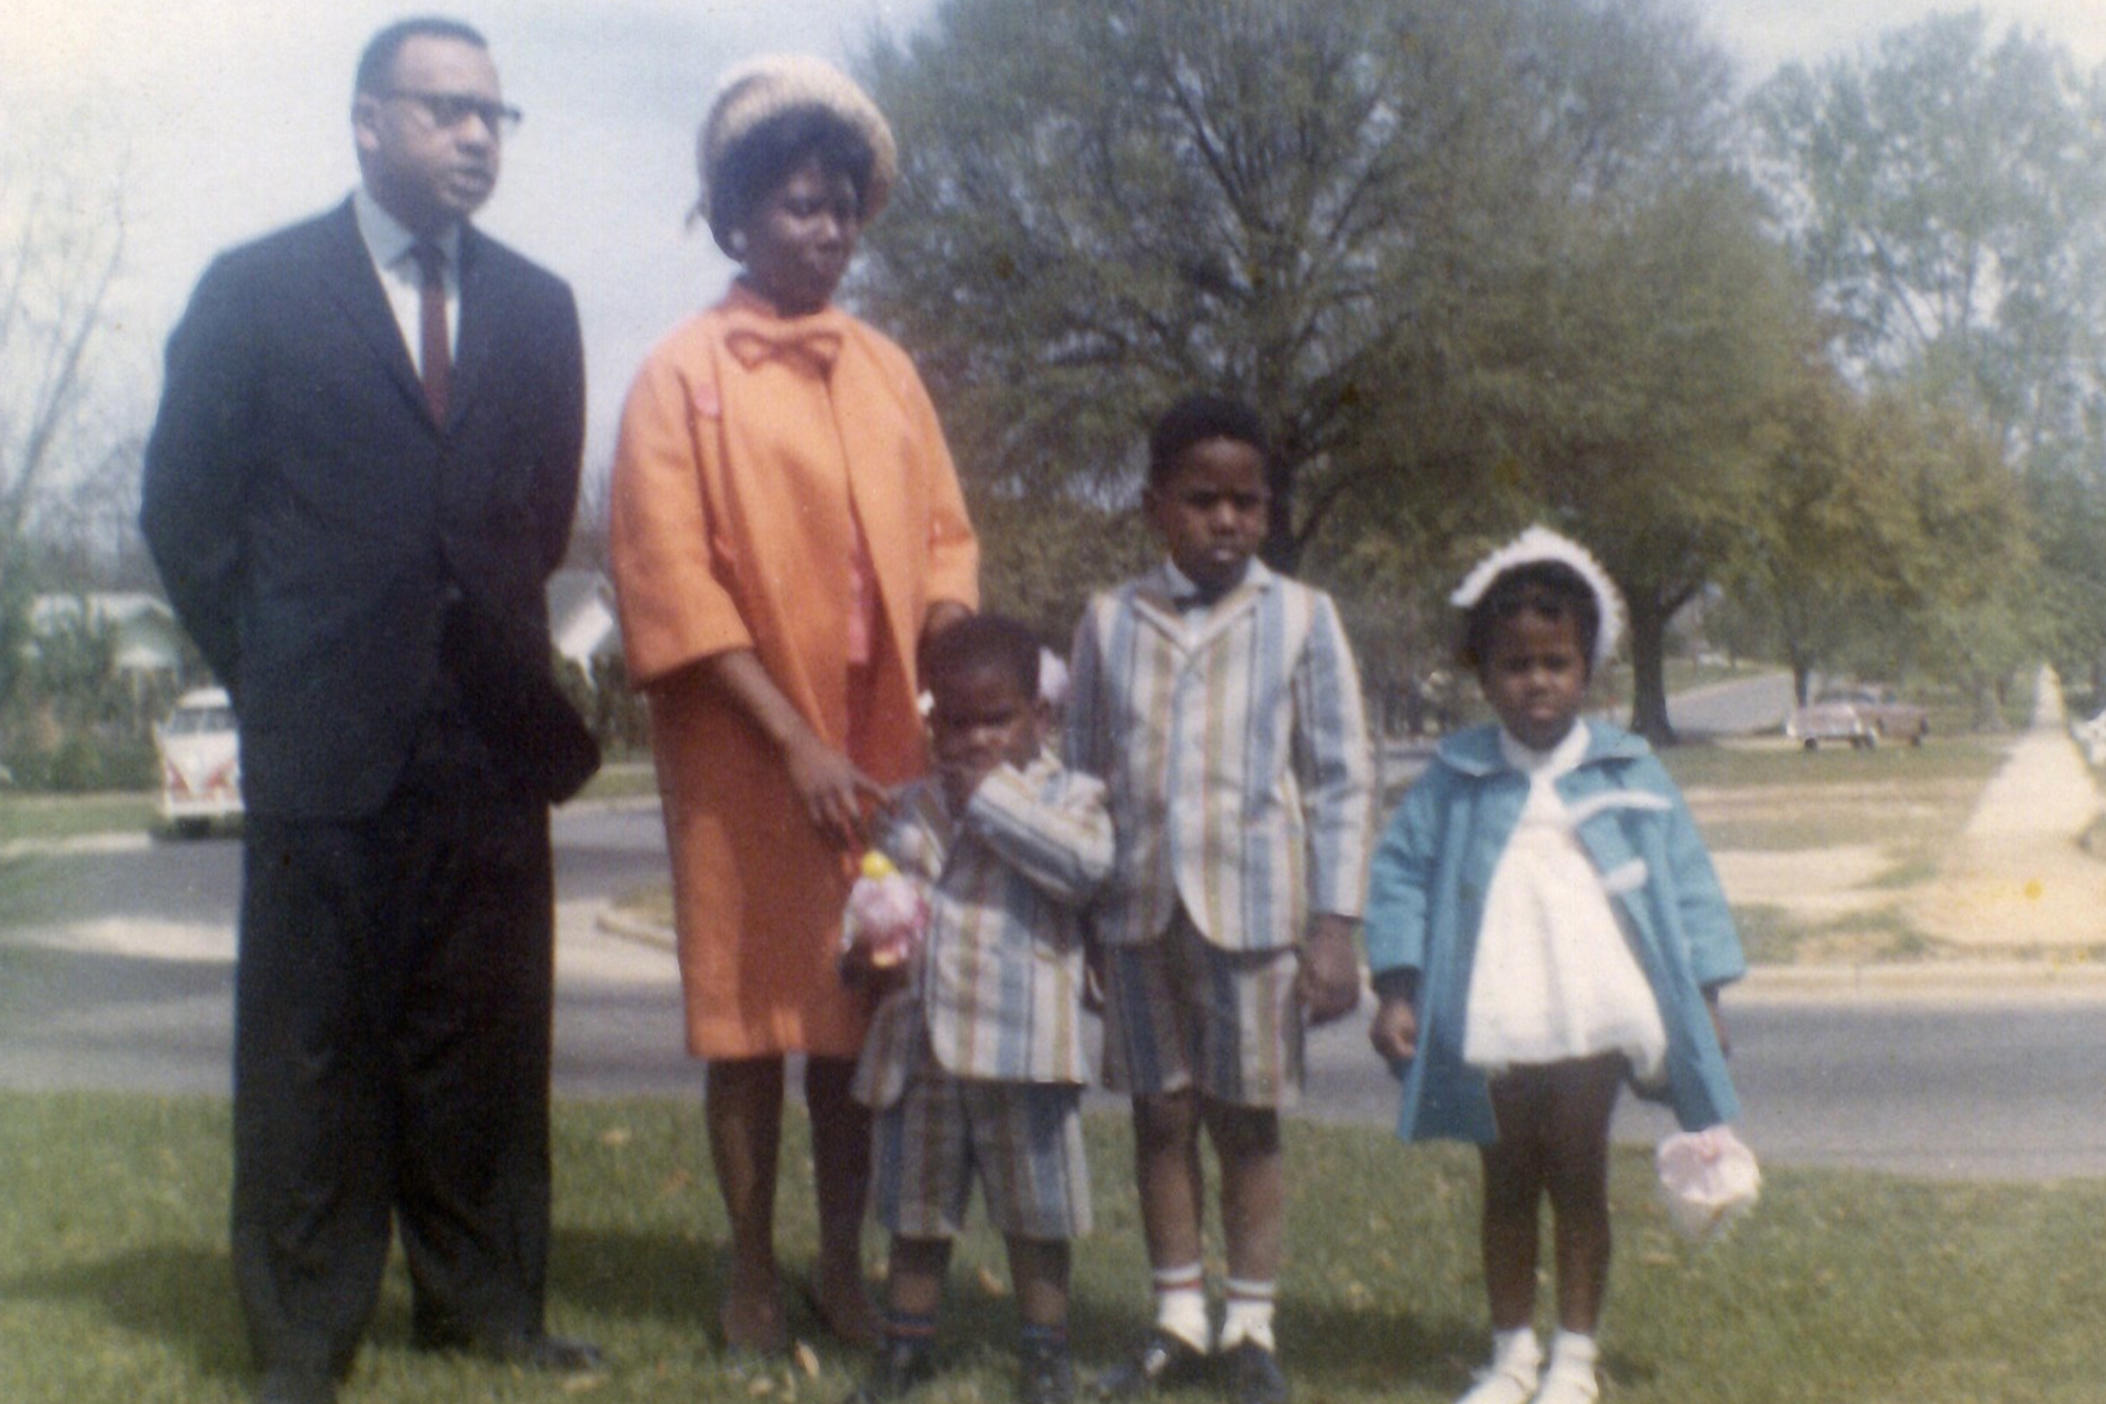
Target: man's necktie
column 437, row 348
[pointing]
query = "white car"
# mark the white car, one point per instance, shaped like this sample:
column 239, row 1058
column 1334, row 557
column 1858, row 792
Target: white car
column 2091, row 735
column 200, row 762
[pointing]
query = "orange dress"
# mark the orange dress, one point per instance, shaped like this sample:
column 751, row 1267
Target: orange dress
column 771, row 472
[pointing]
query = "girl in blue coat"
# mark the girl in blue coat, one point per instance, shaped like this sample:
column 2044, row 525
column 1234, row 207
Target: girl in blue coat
column 1545, row 925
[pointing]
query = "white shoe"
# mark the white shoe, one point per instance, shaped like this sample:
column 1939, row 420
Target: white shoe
column 1569, row 1383
column 1510, row 1378
column 1497, row 1386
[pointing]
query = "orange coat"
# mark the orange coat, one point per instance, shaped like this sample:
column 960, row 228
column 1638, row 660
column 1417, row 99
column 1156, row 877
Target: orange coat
column 751, row 447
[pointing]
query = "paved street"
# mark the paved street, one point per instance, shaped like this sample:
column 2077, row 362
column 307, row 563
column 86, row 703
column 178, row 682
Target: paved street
column 125, row 978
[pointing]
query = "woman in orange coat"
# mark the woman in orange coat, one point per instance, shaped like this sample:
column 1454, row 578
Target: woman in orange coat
column 787, row 526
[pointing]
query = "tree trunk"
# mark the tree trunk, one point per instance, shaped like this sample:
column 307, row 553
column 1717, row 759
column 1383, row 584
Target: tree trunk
column 1988, row 715
column 1802, row 665
column 1648, row 670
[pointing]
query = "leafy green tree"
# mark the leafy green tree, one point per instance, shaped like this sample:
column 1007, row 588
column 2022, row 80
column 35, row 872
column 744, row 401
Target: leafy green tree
column 1948, row 197
column 1807, row 564
column 1655, row 364
column 1458, row 256
column 1946, row 193
column 1108, row 203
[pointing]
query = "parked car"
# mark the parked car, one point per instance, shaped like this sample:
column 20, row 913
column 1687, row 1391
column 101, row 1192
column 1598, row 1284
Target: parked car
column 200, row 762
column 2091, row 735
column 1862, row 715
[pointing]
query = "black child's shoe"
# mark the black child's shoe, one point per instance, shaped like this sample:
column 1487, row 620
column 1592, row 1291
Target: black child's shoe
column 902, row 1367
column 1254, row 1375
column 1047, row 1373
column 1163, row 1361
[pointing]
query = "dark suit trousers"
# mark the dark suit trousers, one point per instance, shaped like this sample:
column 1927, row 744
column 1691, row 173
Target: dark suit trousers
column 392, row 1015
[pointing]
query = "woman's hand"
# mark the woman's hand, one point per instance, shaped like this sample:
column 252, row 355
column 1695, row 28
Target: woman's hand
column 833, row 789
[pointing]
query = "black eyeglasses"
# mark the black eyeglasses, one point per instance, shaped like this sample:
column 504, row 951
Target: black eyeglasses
column 449, row 110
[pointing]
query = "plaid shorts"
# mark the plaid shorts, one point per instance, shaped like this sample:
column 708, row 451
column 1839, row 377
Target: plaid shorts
column 1021, row 1140
column 1180, row 1012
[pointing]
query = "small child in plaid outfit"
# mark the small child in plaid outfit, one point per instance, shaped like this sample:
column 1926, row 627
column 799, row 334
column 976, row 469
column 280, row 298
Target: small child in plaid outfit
column 976, row 1064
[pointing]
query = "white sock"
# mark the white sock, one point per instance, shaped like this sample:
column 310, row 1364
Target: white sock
column 1518, row 1349
column 1516, row 1369
column 1249, row 1313
column 1570, row 1378
column 1181, row 1305
column 1574, row 1351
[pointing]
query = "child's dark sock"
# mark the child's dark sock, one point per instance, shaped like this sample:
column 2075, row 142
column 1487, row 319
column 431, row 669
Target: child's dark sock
column 1046, row 1370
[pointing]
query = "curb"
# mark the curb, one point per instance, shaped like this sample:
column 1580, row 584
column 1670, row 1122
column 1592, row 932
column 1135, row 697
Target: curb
column 2085, row 978
column 641, row 930
column 2047, row 976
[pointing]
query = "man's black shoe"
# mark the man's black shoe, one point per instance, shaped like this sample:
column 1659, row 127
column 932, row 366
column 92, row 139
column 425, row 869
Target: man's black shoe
column 557, row 1355
column 285, row 1386
column 1163, row 1361
column 1254, row 1375
column 1047, row 1374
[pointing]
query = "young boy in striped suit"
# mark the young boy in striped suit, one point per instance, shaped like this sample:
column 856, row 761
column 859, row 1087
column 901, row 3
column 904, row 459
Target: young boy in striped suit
column 1220, row 704
column 976, row 1063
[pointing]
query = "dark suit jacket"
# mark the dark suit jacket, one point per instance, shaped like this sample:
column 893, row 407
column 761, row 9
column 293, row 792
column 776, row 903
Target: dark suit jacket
column 324, row 540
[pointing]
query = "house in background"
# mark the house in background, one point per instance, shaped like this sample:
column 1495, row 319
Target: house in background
column 581, row 618
column 146, row 640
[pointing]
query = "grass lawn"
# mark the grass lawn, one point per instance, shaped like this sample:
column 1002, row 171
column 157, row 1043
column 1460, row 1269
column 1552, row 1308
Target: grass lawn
column 114, row 1284
column 1904, row 798
column 47, row 817
column 1907, row 804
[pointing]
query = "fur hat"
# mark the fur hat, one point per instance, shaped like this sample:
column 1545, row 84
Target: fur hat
column 773, row 84
column 1539, row 544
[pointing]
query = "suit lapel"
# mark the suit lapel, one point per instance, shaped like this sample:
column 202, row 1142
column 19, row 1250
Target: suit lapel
column 1155, row 607
column 355, row 288
column 1230, row 608
column 1186, row 631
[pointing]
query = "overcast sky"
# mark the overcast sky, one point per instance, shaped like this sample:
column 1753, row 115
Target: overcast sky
column 230, row 117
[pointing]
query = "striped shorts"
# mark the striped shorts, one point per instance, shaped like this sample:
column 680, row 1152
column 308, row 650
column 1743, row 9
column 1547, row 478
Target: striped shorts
column 1021, row 1140
column 1180, row 1012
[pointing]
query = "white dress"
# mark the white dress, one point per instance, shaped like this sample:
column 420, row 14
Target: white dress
column 1555, row 977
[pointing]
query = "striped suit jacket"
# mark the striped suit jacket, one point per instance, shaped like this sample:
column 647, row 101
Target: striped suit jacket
column 1235, row 749
column 998, row 987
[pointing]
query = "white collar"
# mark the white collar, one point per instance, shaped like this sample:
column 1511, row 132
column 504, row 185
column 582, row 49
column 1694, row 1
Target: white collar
column 1561, row 759
column 388, row 240
column 1180, row 585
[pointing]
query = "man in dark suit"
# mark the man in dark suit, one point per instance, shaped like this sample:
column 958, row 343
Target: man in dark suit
column 362, row 473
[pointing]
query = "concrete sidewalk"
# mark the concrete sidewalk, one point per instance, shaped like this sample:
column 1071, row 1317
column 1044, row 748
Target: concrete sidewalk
column 2018, row 881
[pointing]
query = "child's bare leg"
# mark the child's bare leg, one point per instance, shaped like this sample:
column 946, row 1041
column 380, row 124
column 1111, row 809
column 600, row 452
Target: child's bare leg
column 913, row 1291
column 1583, row 1097
column 1514, row 1176
column 1253, row 1189
column 1172, row 1190
column 1166, row 1165
column 1039, row 1269
column 1253, row 1220
column 914, row 1276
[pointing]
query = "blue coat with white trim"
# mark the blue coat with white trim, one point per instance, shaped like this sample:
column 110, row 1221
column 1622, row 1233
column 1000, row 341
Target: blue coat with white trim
column 1426, row 905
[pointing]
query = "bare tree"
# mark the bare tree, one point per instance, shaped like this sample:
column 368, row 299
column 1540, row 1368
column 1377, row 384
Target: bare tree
column 61, row 245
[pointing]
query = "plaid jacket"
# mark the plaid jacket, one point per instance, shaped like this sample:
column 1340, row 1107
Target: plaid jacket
column 998, row 986
column 1236, row 754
